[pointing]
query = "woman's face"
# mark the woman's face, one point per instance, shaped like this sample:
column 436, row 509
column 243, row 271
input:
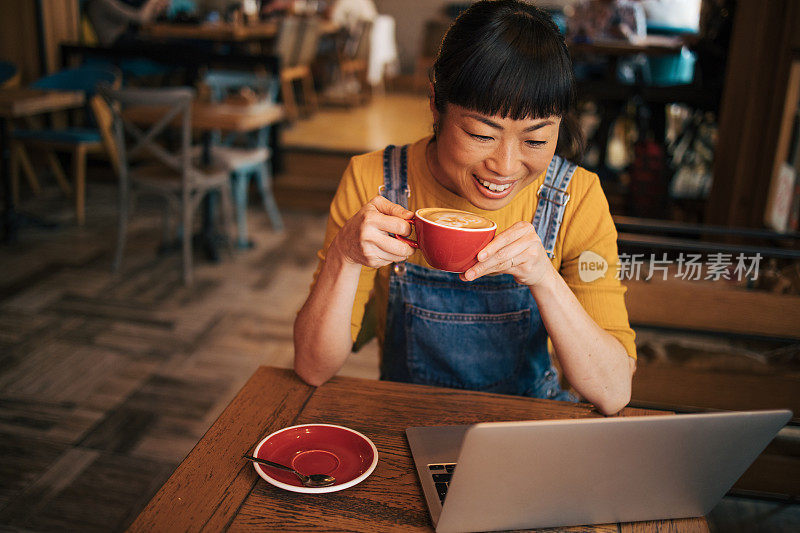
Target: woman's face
column 488, row 159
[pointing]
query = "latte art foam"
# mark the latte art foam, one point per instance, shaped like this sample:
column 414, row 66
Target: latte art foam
column 456, row 219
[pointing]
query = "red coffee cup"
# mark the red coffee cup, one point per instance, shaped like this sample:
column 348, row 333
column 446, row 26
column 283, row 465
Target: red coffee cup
column 449, row 247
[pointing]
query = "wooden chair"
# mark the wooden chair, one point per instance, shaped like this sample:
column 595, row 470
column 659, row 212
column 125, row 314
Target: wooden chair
column 250, row 158
column 297, row 47
column 350, row 87
column 9, row 79
column 171, row 175
column 79, row 141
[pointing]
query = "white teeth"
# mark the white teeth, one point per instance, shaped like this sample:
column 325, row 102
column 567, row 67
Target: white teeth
column 493, row 186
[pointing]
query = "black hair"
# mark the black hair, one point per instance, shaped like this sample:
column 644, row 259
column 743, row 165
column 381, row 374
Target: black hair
column 508, row 58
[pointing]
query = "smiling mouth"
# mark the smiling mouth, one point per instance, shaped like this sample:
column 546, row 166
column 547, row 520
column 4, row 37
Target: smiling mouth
column 493, row 187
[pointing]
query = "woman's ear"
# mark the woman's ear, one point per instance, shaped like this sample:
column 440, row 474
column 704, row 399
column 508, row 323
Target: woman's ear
column 432, row 102
column 434, row 111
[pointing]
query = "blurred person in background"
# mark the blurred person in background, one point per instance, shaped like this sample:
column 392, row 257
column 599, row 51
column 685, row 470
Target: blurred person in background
column 589, row 21
column 117, row 21
column 602, row 20
column 347, row 13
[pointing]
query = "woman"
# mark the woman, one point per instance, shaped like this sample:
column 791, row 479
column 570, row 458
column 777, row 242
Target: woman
column 501, row 87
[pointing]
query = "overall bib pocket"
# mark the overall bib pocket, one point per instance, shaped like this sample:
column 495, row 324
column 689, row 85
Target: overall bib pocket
column 468, row 351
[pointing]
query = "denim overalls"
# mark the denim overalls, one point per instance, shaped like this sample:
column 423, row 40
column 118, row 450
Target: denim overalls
column 483, row 335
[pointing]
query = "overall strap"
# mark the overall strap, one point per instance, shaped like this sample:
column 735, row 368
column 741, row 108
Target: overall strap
column 395, row 175
column 553, row 198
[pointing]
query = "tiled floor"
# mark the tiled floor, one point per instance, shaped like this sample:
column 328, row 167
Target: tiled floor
column 106, row 382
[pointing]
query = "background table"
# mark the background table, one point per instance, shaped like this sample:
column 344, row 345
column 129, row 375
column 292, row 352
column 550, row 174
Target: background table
column 214, row 489
column 17, row 103
column 224, row 31
column 22, row 102
column 651, row 45
column 208, row 116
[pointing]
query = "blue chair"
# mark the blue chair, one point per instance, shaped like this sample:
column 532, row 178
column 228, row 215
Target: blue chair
column 250, row 158
column 79, row 141
column 674, row 69
column 178, row 8
column 135, row 71
column 9, row 74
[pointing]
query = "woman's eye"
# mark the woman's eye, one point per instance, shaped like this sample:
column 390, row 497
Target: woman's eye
column 535, row 143
column 480, row 137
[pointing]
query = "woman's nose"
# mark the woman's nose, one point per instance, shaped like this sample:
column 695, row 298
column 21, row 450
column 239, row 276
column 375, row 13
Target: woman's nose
column 505, row 161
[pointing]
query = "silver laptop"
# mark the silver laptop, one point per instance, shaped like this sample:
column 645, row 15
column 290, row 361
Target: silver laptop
column 519, row 475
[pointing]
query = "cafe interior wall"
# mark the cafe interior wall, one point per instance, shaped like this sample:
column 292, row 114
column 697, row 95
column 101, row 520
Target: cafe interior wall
column 32, row 31
column 410, row 17
column 764, row 43
column 19, row 37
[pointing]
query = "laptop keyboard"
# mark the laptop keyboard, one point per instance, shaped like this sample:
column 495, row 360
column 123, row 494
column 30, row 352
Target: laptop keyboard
column 441, row 477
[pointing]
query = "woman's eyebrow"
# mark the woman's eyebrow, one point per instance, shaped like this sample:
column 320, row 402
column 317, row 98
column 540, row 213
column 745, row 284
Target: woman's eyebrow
column 497, row 126
column 485, row 120
column 538, row 126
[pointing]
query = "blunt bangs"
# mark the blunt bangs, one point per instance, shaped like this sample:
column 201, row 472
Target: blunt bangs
column 500, row 59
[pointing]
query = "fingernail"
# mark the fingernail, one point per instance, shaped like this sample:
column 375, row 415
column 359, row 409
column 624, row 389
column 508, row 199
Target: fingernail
column 482, row 256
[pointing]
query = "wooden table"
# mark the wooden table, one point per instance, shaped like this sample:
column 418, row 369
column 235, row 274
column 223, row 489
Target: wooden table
column 208, row 116
column 23, row 102
column 652, row 45
column 214, row 489
column 224, row 31
column 17, row 103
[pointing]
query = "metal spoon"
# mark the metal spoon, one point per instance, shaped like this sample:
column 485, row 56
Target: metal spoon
column 313, row 480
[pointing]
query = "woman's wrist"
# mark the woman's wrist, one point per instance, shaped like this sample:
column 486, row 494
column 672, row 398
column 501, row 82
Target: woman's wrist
column 546, row 284
column 336, row 259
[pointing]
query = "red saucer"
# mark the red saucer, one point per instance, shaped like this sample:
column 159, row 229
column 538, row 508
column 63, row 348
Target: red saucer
column 338, row 451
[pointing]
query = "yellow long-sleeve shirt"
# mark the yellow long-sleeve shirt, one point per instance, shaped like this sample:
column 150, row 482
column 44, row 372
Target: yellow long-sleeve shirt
column 587, row 226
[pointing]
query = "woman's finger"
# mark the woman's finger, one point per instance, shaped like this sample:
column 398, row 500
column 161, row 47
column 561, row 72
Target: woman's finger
column 397, row 258
column 506, row 266
column 515, row 232
column 391, row 224
column 373, row 256
column 390, row 258
column 503, row 259
column 378, row 238
column 372, row 217
column 390, row 208
column 393, row 246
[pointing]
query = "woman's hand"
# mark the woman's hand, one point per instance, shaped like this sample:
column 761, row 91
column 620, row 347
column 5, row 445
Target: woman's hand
column 517, row 251
column 365, row 239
